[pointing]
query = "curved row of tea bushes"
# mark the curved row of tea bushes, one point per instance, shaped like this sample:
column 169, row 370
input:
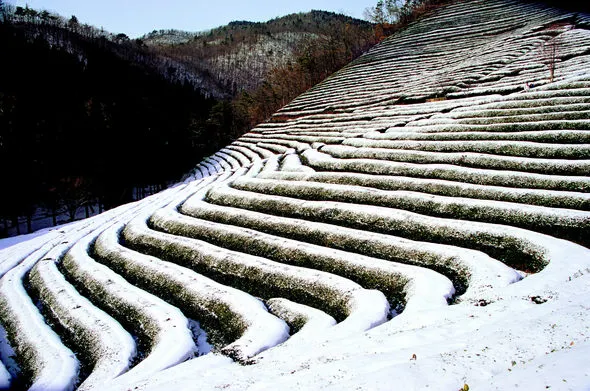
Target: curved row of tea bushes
column 561, row 115
column 546, row 136
column 247, row 152
column 334, row 295
column 292, row 162
column 465, row 159
column 502, row 148
column 470, row 271
column 234, row 164
column 519, row 113
column 275, row 148
column 304, row 321
column 319, row 138
column 296, row 145
column 568, row 224
column 99, row 341
column 238, row 324
column 242, row 158
column 264, row 153
column 516, row 179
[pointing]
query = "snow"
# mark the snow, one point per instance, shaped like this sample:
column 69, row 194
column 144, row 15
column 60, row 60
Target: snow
column 55, row 366
column 401, row 225
column 8, row 242
column 170, row 339
column 4, row 377
column 7, row 356
column 110, row 346
column 200, row 337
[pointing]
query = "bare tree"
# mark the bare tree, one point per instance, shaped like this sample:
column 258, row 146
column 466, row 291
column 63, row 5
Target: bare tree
column 384, row 12
column 550, row 54
column 74, row 193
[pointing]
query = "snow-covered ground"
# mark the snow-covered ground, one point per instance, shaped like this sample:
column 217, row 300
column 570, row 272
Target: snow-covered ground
column 420, row 220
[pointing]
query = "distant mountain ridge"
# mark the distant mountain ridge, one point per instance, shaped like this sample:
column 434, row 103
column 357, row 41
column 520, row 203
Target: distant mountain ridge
column 238, row 56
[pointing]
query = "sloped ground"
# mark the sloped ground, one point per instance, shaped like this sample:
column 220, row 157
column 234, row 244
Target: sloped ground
column 421, row 219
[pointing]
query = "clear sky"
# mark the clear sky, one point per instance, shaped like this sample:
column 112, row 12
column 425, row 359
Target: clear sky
column 137, row 17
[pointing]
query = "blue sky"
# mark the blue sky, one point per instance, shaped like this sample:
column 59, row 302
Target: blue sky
column 136, row 17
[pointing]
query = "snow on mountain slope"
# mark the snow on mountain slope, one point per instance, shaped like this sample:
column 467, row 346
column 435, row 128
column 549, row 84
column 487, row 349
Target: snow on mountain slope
column 419, row 220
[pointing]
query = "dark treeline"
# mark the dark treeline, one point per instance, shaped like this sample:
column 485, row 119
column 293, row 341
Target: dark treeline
column 81, row 124
column 89, row 118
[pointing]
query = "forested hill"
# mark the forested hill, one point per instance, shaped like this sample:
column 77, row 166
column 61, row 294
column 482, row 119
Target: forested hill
column 239, row 56
column 87, row 116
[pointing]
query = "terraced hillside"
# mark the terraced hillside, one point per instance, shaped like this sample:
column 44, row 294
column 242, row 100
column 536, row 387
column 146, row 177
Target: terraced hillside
column 420, row 219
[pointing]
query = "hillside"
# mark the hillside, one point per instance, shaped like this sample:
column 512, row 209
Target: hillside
column 419, row 220
column 239, row 56
column 76, row 106
column 65, row 76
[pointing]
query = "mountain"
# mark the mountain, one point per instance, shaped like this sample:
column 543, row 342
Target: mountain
column 238, row 57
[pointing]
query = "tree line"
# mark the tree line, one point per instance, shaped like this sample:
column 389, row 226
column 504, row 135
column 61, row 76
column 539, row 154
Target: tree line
column 86, row 119
column 239, row 57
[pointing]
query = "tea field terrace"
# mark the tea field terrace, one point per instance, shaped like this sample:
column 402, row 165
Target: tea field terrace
column 421, row 218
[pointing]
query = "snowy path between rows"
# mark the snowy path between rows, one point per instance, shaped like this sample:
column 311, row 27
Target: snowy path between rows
column 416, row 221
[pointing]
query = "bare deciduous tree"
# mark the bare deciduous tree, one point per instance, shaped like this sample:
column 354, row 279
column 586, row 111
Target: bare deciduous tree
column 384, row 12
column 550, row 53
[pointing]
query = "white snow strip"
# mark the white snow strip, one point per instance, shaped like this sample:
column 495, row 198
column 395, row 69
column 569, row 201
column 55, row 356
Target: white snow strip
column 479, row 270
column 171, row 341
column 96, row 334
column 516, row 179
column 314, row 321
column 510, row 148
column 468, row 159
column 5, row 378
column 339, row 294
column 261, row 329
column 292, row 162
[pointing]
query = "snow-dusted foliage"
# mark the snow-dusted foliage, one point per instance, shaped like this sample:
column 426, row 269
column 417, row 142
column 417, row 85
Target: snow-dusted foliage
column 421, row 219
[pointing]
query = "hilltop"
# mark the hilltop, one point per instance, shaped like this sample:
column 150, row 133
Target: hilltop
column 239, row 56
column 418, row 220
